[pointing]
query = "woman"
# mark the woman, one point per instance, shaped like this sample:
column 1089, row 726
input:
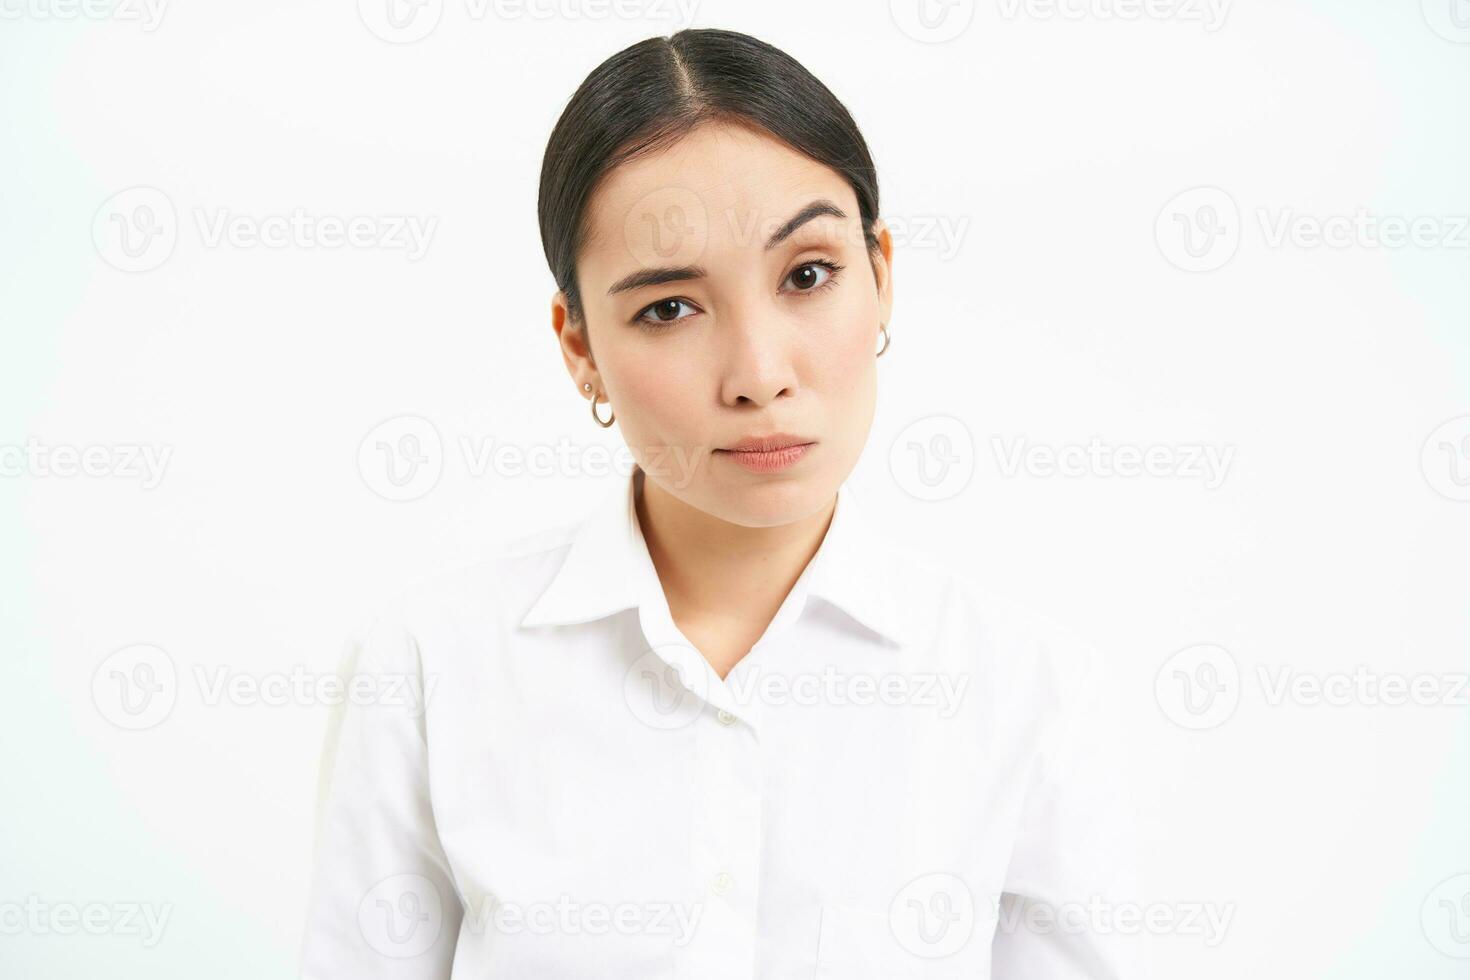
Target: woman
column 720, row 728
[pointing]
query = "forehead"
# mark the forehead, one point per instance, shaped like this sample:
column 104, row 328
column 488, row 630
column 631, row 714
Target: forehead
column 721, row 186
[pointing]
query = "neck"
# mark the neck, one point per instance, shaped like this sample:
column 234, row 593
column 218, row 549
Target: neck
column 713, row 571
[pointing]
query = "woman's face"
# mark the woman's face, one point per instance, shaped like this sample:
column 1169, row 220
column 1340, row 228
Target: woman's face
column 729, row 294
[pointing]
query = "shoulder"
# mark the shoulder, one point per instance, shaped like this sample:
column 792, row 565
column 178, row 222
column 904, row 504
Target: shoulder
column 1040, row 685
column 492, row 591
column 1013, row 642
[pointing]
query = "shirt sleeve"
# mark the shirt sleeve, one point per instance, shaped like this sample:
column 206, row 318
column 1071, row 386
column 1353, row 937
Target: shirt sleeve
column 382, row 903
column 1068, row 910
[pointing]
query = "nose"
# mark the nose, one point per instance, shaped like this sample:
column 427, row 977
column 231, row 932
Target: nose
column 758, row 363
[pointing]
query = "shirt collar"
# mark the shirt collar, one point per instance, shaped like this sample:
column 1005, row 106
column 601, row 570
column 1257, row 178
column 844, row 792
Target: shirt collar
column 607, row 568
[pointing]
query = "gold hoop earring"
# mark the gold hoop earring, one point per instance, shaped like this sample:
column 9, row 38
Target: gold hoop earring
column 595, row 417
column 884, row 328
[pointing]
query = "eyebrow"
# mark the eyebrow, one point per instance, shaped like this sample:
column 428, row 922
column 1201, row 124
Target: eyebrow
column 658, row 276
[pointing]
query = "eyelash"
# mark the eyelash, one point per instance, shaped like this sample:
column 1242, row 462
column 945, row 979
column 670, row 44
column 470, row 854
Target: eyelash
column 659, row 326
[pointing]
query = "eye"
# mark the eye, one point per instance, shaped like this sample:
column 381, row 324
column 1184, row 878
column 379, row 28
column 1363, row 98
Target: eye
column 811, row 276
column 662, row 313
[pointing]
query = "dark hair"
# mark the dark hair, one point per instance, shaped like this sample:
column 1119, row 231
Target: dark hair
column 650, row 94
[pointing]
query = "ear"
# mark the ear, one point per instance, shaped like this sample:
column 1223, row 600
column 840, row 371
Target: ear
column 883, row 270
column 575, row 350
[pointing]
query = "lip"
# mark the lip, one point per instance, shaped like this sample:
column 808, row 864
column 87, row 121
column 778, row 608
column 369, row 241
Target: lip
column 765, row 444
column 768, row 454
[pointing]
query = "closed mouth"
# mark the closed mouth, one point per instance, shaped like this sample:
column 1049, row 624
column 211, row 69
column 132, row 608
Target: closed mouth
column 766, row 444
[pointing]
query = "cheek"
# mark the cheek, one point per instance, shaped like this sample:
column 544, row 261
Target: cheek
column 657, row 402
column 848, row 348
column 860, row 345
column 852, row 373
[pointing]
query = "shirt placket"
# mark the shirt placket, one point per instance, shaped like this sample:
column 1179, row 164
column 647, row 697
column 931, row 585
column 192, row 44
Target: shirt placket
column 725, row 812
column 725, row 804
column 725, row 846
column 726, row 784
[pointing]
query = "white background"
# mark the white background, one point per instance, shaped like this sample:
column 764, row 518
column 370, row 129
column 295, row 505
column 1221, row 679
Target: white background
column 1041, row 295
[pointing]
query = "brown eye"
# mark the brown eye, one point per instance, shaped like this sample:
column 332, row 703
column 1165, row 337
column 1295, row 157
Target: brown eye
column 805, row 277
column 665, row 311
column 811, row 276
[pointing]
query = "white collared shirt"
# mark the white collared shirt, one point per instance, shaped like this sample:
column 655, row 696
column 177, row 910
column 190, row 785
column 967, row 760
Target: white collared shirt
column 541, row 778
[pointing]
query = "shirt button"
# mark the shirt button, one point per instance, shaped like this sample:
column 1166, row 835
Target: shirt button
column 722, row 883
column 725, row 717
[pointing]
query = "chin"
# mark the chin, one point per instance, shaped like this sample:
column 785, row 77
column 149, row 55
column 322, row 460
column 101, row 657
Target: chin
column 771, row 501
